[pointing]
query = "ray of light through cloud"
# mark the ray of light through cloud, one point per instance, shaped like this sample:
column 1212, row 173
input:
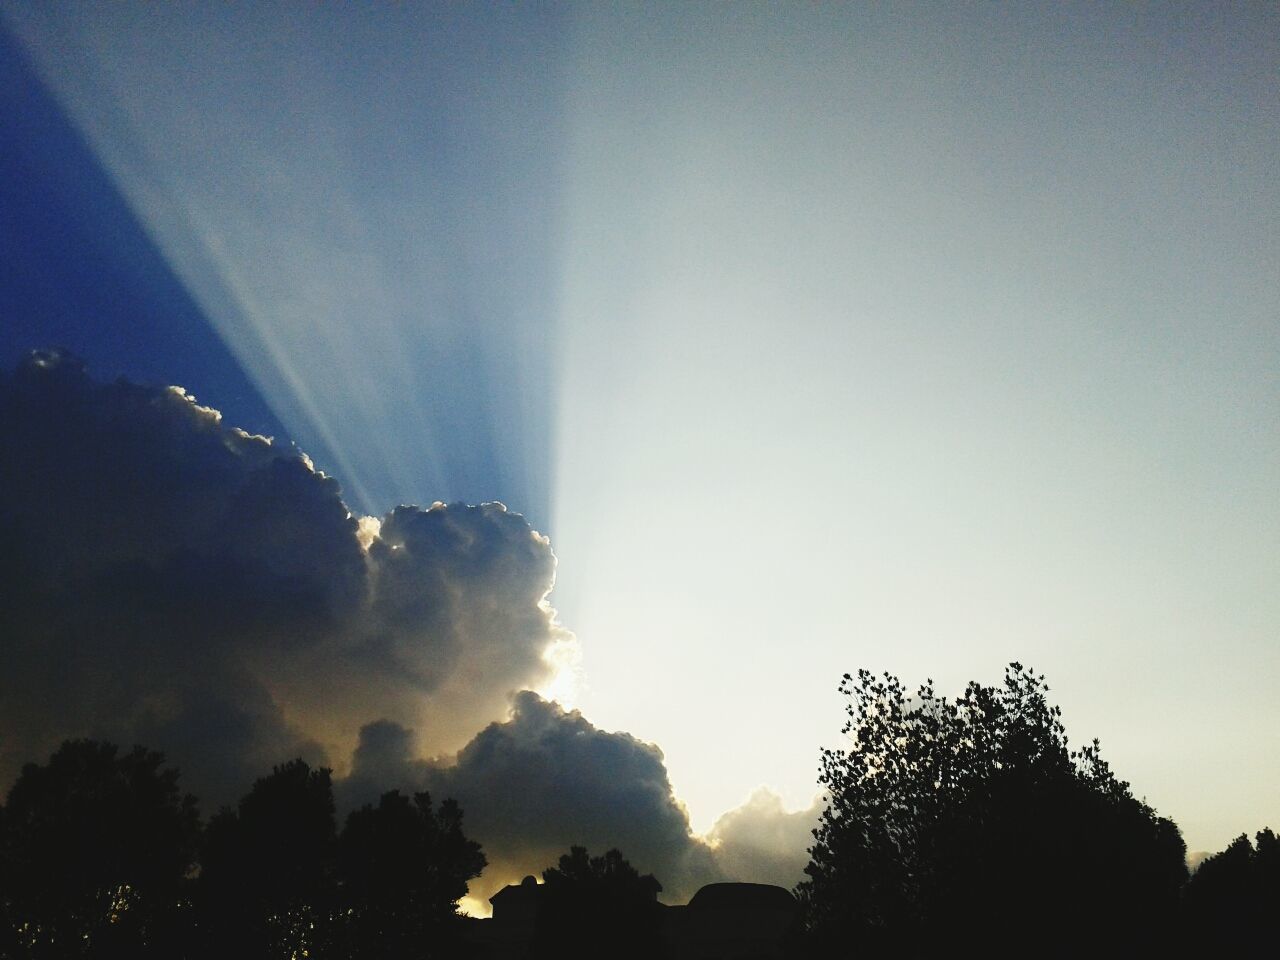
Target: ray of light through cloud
column 363, row 204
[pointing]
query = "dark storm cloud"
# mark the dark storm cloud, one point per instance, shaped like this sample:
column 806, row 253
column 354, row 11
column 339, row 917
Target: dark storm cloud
column 171, row 581
column 184, row 584
column 544, row 780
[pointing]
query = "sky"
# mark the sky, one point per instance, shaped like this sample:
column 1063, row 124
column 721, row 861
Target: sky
column 915, row 337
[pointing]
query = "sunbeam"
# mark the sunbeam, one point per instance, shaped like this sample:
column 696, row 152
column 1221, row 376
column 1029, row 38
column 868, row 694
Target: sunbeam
column 377, row 256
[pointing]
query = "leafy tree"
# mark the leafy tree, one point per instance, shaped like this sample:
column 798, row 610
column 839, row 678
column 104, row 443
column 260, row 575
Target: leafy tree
column 1233, row 898
column 597, row 907
column 267, row 869
column 611, row 874
column 95, row 846
column 404, row 865
column 972, row 821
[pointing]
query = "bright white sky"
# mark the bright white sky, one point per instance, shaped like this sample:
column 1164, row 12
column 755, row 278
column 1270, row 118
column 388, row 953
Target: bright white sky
column 927, row 341
column 915, row 337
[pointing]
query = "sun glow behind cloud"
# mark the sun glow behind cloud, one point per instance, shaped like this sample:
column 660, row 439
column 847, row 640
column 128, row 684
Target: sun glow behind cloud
column 564, row 657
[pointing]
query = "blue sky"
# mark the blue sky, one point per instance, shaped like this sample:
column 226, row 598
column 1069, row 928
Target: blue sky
column 916, row 337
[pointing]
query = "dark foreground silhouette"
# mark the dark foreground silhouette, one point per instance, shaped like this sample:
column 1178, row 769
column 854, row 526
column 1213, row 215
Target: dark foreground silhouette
column 971, row 825
column 973, row 821
column 602, row 906
column 102, row 856
column 964, row 826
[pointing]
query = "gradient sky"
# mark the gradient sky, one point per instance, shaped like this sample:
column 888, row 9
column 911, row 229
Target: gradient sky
column 915, row 337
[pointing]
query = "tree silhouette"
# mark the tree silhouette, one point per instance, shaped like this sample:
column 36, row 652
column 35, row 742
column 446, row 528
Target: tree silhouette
column 95, row 848
column 403, row 867
column 597, row 907
column 1234, row 896
column 949, row 821
column 267, row 869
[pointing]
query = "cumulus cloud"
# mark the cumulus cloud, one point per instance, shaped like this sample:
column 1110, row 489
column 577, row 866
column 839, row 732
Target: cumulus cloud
column 763, row 842
column 455, row 619
column 174, row 581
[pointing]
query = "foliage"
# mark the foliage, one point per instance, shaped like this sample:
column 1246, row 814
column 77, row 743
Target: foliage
column 404, row 866
column 610, row 875
column 267, row 881
column 95, row 849
column 102, row 856
column 973, row 817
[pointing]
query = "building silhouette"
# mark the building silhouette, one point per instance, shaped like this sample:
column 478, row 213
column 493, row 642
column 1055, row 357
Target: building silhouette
column 723, row 921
